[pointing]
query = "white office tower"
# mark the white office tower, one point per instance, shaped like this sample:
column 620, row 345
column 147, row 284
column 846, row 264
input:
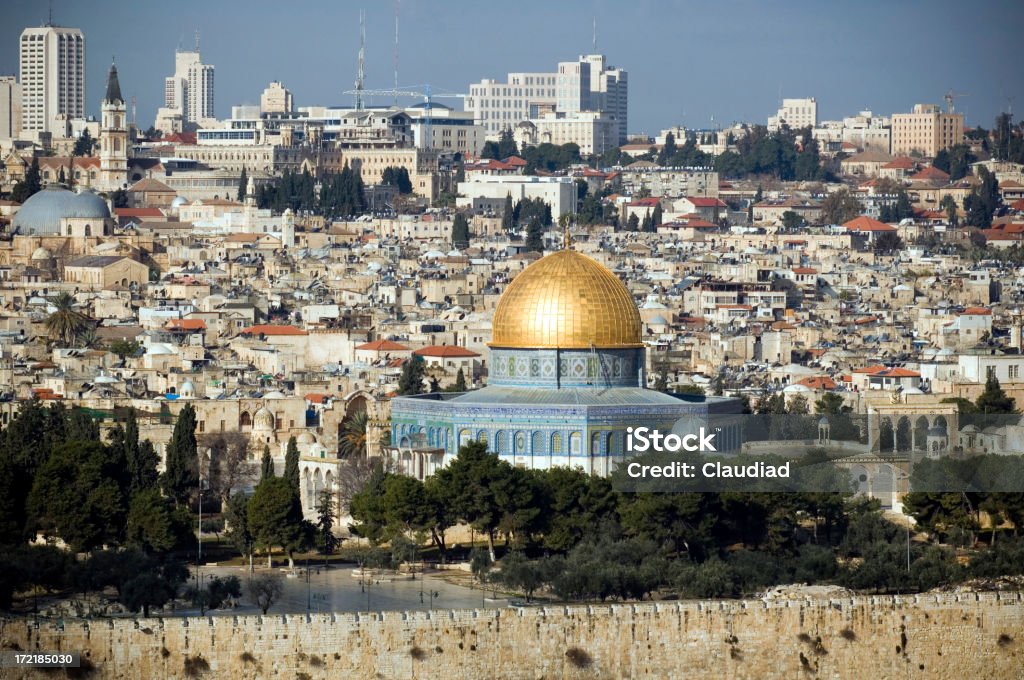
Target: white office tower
column 189, row 92
column 795, row 113
column 586, row 84
column 52, row 61
column 10, row 107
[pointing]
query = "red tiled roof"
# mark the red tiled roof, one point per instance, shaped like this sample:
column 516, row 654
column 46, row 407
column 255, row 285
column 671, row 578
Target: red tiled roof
column 315, row 398
column 642, row 202
column 865, row 223
column 382, row 346
column 900, row 163
column 804, row 270
column 870, row 370
column 705, row 202
column 272, row 329
column 186, row 324
column 819, row 382
column 138, row 212
column 898, row 373
column 445, row 352
column 931, row 173
column 978, row 311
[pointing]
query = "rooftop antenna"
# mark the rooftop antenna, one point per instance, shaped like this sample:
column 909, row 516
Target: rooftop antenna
column 133, row 111
column 197, row 40
column 595, row 35
column 397, row 7
column 362, row 60
column 49, row 18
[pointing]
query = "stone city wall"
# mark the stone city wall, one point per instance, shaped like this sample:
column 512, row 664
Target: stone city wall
column 926, row 636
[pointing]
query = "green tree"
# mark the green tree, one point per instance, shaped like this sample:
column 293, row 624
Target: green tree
column 460, row 231
column 236, row 513
column 243, row 185
column 948, row 204
column 153, row 525
column 78, row 494
column 535, row 236
column 792, row 221
column 507, row 144
column 633, row 223
column 887, row 243
column 124, row 348
column 30, row 185
column 668, row 150
column 410, row 382
column 508, row 215
column 84, row 145
column 994, row 400
column 354, row 435
column 460, row 382
column 275, row 517
column 840, row 207
column 65, row 324
column 291, row 466
column 326, row 541
column 180, row 479
column 266, row 464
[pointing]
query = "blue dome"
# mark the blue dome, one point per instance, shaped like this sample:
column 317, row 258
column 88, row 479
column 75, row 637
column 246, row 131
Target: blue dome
column 41, row 213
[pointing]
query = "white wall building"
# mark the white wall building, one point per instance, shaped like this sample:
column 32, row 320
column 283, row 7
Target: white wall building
column 276, row 99
column 587, row 84
column 190, row 90
column 797, row 113
column 488, row 192
column 52, row 62
column 10, row 107
column 593, row 131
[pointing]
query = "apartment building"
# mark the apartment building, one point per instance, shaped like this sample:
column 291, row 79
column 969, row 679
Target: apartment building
column 926, row 131
column 52, row 63
column 796, row 113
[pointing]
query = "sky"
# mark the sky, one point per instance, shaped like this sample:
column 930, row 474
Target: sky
column 687, row 61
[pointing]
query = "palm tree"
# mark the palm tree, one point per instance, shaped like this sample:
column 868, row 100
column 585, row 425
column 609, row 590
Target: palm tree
column 65, row 324
column 353, row 437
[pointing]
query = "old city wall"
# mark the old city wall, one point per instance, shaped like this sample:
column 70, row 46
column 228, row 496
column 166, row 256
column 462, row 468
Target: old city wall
column 927, row 636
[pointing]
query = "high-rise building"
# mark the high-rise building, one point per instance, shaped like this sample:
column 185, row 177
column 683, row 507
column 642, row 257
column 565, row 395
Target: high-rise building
column 586, row 84
column 796, row 113
column 276, row 99
column 10, row 107
column 926, row 131
column 52, row 62
column 189, row 92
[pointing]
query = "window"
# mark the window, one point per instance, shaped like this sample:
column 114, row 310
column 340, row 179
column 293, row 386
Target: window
column 1014, row 371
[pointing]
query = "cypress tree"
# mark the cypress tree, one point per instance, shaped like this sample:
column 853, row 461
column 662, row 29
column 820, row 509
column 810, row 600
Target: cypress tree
column 181, row 473
column 291, row 465
column 267, row 465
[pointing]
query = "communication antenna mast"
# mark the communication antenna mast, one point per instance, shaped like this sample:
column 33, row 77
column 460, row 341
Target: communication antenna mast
column 133, row 111
column 197, row 40
column 362, row 60
column 397, row 7
column 595, row 35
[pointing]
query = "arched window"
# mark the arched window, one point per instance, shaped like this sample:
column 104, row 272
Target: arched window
column 88, row 230
column 500, row 442
column 69, row 230
column 481, row 437
column 244, row 421
column 556, row 442
column 575, row 444
column 538, row 443
column 464, row 436
column 520, row 444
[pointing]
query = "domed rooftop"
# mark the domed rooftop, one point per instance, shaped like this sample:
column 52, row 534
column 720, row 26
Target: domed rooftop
column 41, row 253
column 263, row 420
column 568, row 301
column 42, row 212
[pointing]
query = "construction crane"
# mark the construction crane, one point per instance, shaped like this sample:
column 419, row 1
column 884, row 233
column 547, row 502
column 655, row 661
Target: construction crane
column 949, row 99
column 423, row 91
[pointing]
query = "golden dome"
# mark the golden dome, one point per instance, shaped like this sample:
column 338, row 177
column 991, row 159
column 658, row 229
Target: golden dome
column 568, row 301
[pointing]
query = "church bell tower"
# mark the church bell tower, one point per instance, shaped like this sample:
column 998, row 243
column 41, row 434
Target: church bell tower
column 113, row 136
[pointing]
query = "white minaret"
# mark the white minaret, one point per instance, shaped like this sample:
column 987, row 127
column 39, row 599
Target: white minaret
column 113, row 136
column 288, row 228
column 250, row 207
